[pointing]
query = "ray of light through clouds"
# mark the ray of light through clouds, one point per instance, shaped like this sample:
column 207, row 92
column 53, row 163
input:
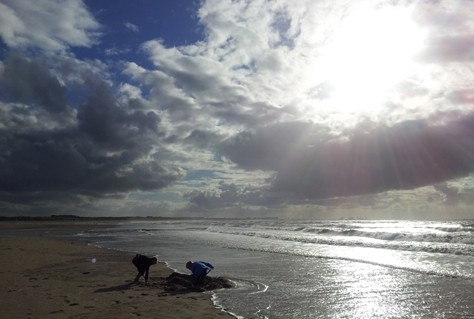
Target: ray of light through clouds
column 237, row 108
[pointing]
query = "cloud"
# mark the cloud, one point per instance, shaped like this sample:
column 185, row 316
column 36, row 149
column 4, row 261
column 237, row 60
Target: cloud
column 239, row 119
column 242, row 72
column 451, row 194
column 308, row 165
column 50, row 25
column 232, row 195
column 132, row 27
column 270, row 147
column 30, row 83
column 450, row 36
column 101, row 146
column 450, row 49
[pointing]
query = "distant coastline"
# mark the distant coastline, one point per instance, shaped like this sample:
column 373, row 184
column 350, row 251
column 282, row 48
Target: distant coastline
column 115, row 218
column 80, row 218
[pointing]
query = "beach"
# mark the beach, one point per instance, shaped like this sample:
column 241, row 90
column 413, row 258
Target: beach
column 319, row 268
column 63, row 278
column 280, row 269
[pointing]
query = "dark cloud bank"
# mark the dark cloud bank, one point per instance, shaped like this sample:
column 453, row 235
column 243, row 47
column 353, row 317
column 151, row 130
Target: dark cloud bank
column 372, row 159
column 49, row 146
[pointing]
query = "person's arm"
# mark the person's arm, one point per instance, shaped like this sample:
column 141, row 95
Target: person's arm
column 208, row 265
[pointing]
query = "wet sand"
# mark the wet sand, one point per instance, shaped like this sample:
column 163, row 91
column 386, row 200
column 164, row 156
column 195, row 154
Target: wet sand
column 51, row 278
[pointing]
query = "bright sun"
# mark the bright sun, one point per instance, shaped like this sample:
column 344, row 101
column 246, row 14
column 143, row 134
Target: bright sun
column 371, row 51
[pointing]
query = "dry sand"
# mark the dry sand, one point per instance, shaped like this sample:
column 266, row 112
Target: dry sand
column 51, row 278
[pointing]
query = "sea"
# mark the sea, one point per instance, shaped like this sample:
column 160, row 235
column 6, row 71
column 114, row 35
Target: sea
column 317, row 268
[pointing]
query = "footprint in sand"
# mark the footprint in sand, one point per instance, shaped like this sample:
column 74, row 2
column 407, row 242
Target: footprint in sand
column 56, row 311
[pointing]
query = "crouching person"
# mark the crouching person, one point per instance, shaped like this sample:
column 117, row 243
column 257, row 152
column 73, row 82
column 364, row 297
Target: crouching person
column 143, row 263
column 199, row 269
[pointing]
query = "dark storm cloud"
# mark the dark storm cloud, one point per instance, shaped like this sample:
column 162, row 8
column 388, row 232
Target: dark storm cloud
column 408, row 155
column 270, row 147
column 112, row 125
column 30, row 82
column 98, row 147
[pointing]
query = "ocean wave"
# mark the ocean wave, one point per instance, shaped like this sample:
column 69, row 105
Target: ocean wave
column 422, row 243
column 421, row 270
column 432, row 237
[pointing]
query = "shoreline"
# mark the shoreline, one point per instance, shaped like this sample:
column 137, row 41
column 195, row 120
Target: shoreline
column 44, row 277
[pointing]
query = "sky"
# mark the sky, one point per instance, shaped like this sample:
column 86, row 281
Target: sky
column 219, row 108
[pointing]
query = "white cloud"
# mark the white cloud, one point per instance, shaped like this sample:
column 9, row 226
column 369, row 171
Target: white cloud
column 132, row 27
column 255, row 53
column 50, row 25
column 130, row 91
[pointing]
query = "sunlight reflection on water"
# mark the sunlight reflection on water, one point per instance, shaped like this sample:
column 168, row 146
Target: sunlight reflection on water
column 369, row 291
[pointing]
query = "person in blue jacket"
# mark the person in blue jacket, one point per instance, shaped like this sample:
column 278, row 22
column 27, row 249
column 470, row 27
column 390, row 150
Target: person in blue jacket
column 199, row 269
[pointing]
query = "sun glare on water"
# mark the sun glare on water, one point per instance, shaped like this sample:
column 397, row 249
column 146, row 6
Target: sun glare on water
column 371, row 51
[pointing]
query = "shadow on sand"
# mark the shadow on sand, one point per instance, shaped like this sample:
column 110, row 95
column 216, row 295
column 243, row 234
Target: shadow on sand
column 116, row 288
column 176, row 283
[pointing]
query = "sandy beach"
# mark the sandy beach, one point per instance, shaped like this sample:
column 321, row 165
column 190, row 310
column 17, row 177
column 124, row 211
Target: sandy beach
column 51, row 278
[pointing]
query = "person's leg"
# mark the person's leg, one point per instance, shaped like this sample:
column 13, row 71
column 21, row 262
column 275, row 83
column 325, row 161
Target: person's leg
column 141, row 272
column 137, row 277
column 200, row 279
column 136, row 264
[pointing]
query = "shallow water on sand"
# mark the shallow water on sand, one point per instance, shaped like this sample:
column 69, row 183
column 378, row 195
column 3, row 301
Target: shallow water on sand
column 319, row 269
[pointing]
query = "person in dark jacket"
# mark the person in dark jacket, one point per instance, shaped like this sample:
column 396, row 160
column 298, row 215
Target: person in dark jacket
column 143, row 264
column 199, row 269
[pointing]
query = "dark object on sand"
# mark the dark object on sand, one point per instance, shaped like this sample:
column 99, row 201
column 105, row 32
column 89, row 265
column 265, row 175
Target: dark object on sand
column 143, row 264
column 181, row 283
